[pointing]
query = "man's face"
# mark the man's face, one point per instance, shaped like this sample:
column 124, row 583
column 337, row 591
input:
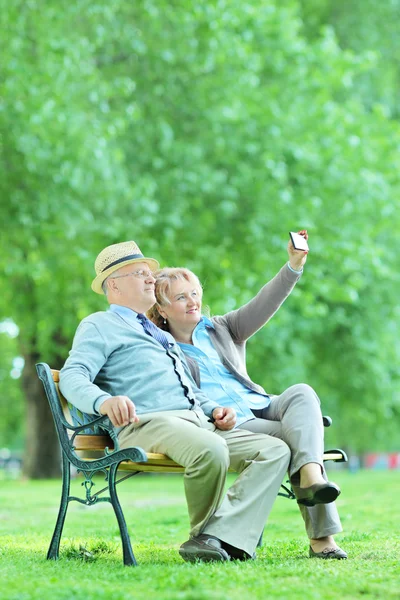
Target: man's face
column 132, row 286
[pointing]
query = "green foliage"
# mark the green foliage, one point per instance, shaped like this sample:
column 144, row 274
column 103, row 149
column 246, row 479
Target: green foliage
column 11, row 404
column 206, row 132
column 365, row 27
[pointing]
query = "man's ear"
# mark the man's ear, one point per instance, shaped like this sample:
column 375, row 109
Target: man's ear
column 112, row 285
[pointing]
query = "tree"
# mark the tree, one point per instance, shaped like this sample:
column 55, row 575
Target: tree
column 205, row 134
column 11, row 412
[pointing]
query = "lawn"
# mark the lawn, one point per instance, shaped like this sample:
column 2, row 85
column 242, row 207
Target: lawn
column 91, row 560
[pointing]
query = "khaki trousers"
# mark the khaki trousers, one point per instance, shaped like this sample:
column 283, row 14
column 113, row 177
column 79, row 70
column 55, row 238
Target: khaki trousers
column 295, row 417
column 188, row 438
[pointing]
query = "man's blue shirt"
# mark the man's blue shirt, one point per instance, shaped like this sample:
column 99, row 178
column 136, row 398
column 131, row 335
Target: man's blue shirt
column 112, row 355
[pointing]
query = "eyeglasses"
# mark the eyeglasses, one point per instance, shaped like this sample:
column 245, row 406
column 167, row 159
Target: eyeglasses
column 140, row 274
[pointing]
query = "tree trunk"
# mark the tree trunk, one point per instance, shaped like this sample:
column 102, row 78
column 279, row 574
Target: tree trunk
column 42, row 454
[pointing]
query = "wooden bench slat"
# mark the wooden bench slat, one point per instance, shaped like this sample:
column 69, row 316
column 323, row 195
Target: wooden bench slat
column 156, row 462
column 150, row 468
column 333, row 456
column 93, row 442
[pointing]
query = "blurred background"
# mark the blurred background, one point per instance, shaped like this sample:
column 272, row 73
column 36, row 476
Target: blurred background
column 205, row 131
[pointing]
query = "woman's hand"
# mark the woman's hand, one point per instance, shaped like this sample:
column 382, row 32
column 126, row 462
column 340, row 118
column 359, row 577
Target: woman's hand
column 297, row 258
column 224, row 417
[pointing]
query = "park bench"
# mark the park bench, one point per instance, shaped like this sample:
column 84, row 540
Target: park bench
column 92, row 447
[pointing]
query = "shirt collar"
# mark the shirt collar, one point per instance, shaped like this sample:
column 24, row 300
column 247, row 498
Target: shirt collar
column 130, row 315
column 206, row 322
column 124, row 311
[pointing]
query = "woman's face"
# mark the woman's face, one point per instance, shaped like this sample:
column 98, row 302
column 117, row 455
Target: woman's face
column 185, row 308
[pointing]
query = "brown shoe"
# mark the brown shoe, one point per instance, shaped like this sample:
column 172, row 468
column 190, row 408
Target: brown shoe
column 337, row 553
column 203, row 548
column 319, row 493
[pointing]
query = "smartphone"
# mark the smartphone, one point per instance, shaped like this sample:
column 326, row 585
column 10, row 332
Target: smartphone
column 298, row 241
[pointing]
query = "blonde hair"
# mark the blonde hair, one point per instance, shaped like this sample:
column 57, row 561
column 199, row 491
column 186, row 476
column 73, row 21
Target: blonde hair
column 164, row 278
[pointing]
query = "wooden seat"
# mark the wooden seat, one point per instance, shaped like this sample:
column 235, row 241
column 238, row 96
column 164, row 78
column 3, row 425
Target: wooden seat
column 90, row 443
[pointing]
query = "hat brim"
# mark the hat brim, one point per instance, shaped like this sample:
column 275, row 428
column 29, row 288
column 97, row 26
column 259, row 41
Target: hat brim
column 98, row 281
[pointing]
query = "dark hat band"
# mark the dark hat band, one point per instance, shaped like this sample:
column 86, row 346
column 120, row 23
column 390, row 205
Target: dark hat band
column 120, row 260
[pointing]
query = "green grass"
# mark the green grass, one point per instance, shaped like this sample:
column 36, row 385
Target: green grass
column 91, row 560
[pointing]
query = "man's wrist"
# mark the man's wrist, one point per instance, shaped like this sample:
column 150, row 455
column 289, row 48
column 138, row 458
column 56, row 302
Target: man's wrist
column 98, row 402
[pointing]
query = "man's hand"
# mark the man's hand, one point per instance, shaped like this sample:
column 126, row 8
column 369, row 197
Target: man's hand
column 297, row 258
column 120, row 410
column 224, row 417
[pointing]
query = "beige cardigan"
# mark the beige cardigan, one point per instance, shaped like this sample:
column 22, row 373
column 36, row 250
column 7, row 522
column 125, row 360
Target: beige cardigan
column 231, row 331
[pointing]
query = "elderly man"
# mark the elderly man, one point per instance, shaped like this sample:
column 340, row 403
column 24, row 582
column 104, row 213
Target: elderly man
column 123, row 366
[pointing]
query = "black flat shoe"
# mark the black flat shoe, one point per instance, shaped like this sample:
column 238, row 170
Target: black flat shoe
column 335, row 553
column 319, row 493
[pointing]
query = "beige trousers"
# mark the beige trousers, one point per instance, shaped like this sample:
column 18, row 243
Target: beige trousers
column 295, row 417
column 237, row 517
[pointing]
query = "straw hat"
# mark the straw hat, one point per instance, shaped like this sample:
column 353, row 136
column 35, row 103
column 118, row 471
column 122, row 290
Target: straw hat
column 116, row 256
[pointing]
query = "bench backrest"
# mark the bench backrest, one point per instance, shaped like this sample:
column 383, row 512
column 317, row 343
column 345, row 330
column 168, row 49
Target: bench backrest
column 55, row 374
column 70, row 423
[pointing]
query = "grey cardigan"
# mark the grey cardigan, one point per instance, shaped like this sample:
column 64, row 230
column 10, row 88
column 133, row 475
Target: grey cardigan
column 231, row 331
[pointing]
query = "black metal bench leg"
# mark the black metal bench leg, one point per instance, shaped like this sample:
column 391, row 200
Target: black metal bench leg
column 129, row 557
column 55, row 540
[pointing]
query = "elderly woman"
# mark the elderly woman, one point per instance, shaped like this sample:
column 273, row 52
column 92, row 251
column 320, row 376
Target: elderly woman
column 215, row 348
